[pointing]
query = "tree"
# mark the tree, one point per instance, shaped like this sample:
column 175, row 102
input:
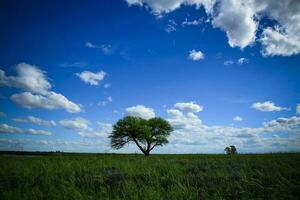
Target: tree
column 227, row 150
column 146, row 134
column 233, row 149
column 230, row 150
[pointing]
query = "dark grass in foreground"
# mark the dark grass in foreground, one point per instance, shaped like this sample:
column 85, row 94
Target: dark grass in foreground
column 105, row 176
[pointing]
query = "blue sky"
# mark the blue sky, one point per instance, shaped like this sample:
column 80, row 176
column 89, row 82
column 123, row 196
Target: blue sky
column 222, row 73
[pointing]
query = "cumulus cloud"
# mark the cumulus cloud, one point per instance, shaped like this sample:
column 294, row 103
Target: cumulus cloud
column 6, row 129
column 35, row 120
column 140, row 111
column 37, row 93
column 196, row 55
column 267, row 106
column 83, row 128
column 237, row 20
column 29, row 78
column 186, row 121
column 298, row 109
column 283, row 122
column 189, row 130
column 75, row 124
column 283, row 38
column 50, row 101
column 240, row 21
column 175, row 113
column 159, row 7
column 237, row 118
column 189, row 107
column 91, row 77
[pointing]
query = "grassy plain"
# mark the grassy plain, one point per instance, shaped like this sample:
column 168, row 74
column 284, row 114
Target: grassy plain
column 163, row 177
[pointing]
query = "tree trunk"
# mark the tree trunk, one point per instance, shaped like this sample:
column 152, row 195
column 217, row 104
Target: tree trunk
column 147, row 153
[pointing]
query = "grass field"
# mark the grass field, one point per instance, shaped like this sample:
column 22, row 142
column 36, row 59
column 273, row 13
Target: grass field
column 128, row 176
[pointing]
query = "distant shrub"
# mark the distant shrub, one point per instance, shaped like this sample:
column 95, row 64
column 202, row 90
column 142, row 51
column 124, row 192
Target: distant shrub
column 230, row 150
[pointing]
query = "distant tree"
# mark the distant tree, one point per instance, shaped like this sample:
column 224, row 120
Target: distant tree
column 230, row 150
column 146, row 134
column 233, row 149
column 227, row 150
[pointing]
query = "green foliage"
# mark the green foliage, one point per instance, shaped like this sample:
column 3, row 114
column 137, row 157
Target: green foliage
column 176, row 177
column 146, row 134
column 230, row 150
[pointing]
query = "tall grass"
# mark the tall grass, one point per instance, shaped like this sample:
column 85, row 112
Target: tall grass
column 91, row 176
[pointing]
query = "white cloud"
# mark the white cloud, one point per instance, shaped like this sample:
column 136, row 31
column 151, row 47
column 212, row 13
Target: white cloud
column 105, row 48
column 242, row 61
column 37, row 132
column 140, row 111
column 91, row 77
column 237, row 118
column 159, row 7
column 298, row 109
column 35, row 120
column 171, row 26
column 75, row 124
column 236, row 18
column 267, row 106
column 196, row 55
column 239, row 61
column 50, row 101
column 283, row 122
column 240, row 20
column 38, row 95
column 175, row 113
column 105, row 129
column 194, row 22
column 6, row 129
column 180, row 120
column 278, row 42
column 283, row 38
column 189, row 107
column 83, row 128
column 189, row 130
column 29, row 78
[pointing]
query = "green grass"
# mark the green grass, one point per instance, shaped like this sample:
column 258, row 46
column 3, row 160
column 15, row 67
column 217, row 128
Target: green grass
column 92, row 176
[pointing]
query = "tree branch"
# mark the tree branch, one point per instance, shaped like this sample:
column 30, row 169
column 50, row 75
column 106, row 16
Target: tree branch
column 153, row 146
column 140, row 147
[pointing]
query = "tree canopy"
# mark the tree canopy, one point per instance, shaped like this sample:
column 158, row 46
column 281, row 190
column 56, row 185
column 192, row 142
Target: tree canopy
column 146, row 134
column 230, row 150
